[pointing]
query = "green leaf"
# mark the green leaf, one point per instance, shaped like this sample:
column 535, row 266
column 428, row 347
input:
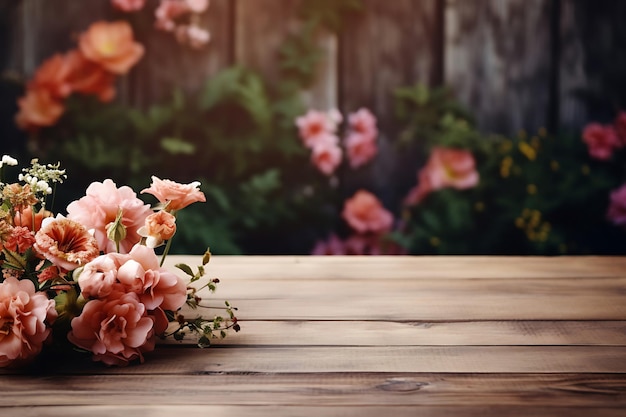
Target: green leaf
column 186, row 269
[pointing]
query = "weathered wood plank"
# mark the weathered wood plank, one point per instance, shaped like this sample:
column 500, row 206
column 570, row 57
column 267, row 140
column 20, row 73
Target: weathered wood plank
column 387, row 333
column 152, row 410
column 234, row 268
column 358, row 359
column 328, row 389
column 498, row 61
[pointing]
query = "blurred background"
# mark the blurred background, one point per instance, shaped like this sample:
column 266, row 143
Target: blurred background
column 493, row 126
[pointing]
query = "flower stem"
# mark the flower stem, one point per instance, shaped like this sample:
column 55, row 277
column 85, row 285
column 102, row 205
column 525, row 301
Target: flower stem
column 165, row 251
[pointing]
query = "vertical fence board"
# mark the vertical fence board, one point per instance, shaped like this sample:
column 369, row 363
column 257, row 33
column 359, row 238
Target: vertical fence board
column 390, row 45
column 498, row 61
column 168, row 64
column 572, row 77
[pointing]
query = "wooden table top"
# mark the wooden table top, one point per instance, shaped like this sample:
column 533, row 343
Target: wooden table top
column 372, row 336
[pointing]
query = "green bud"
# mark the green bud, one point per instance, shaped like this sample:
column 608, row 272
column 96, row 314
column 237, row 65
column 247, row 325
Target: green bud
column 116, row 231
column 206, row 257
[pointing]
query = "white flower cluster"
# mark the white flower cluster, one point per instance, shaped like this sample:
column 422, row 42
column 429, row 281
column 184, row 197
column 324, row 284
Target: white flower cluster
column 7, row 160
column 40, row 177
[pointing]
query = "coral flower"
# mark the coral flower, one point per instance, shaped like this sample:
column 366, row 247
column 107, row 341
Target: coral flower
column 65, row 243
column 52, row 76
column 20, row 239
column 326, row 156
column 38, row 108
column 117, row 330
column 111, row 45
column 449, row 167
column 160, row 226
column 25, row 316
column 617, row 207
column 175, row 195
column 100, row 207
column 365, row 213
column 25, row 218
column 361, row 148
column 601, row 140
column 87, row 77
column 128, row 5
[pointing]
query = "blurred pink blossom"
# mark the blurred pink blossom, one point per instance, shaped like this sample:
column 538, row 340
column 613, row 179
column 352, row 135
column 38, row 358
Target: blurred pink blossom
column 617, row 206
column 361, row 148
column 315, row 124
column 332, row 246
column 363, row 122
column 128, row 5
column 365, row 213
column 167, row 13
column 197, row 6
column 601, row 140
column 620, row 126
column 326, row 156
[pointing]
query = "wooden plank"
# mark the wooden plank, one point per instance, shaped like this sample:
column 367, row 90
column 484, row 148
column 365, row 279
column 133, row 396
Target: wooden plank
column 388, row 333
column 152, row 410
column 333, row 359
column 235, row 268
column 329, row 389
column 497, row 59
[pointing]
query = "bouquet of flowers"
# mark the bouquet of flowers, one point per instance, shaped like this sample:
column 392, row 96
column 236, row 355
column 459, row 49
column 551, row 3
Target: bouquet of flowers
column 92, row 280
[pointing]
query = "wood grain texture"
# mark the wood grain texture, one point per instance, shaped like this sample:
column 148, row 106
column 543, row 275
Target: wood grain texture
column 498, row 61
column 343, row 347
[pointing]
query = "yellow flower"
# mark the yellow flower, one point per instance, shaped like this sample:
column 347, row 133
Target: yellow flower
column 527, row 150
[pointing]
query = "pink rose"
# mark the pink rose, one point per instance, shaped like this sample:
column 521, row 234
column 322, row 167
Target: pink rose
column 617, row 206
column 601, row 140
column 160, row 226
column 326, row 156
column 365, row 213
column 175, row 195
column 65, row 243
column 363, row 122
column 361, row 148
column 117, row 329
column 128, row 5
column 99, row 208
column 25, row 317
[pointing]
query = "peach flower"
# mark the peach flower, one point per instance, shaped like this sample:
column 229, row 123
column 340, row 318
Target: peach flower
column 363, row 122
column 111, row 45
column 601, row 140
column 65, row 243
column 128, row 5
column 25, row 218
column 365, row 213
column 38, row 108
column 117, row 330
column 25, row 316
column 361, row 148
column 175, row 195
column 617, row 206
column 326, row 156
column 160, row 226
column 99, row 208
column 98, row 278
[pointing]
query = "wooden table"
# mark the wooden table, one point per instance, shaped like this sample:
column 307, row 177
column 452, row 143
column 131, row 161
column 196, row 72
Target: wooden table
column 375, row 336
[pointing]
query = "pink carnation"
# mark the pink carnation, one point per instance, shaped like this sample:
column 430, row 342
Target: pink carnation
column 176, row 196
column 365, row 213
column 617, row 206
column 25, row 316
column 99, row 208
column 361, row 148
column 601, row 140
column 65, row 243
column 117, row 330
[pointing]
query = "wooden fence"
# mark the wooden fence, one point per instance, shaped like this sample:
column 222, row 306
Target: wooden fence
column 514, row 63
